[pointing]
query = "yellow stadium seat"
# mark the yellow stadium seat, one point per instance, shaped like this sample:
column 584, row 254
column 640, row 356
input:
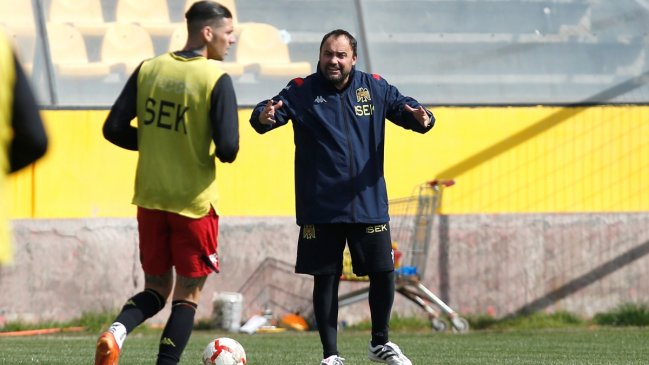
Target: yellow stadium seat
column 126, row 44
column 153, row 15
column 261, row 49
column 18, row 15
column 85, row 15
column 178, row 38
column 23, row 45
column 233, row 69
column 177, row 42
column 69, row 55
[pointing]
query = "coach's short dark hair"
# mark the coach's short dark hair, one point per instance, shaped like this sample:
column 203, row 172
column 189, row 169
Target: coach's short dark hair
column 337, row 33
column 203, row 13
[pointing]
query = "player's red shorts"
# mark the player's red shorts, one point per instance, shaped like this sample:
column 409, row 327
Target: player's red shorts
column 170, row 239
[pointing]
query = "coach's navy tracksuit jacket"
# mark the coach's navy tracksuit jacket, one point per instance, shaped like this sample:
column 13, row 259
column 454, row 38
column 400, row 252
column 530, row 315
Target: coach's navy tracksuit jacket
column 339, row 142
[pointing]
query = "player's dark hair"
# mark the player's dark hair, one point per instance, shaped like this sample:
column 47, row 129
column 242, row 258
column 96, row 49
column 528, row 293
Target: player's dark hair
column 337, row 33
column 203, row 13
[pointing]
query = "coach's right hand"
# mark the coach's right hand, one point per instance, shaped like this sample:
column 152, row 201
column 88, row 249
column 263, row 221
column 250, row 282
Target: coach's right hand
column 267, row 116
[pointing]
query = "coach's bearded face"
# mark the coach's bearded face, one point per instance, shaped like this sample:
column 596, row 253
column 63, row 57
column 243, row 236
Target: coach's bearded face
column 336, row 60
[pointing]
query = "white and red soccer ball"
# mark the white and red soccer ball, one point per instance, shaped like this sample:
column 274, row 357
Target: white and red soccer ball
column 224, row 351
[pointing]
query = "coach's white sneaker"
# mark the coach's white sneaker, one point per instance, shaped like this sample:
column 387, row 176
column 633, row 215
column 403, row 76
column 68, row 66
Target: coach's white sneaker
column 332, row 360
column 389, row 354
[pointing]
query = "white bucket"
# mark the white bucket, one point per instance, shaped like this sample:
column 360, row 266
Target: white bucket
column 227, row 308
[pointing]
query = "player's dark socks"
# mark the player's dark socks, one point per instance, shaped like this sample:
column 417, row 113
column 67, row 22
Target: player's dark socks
column 325, row 308
column 381, row 297
column 139, row 308
column 177, row 332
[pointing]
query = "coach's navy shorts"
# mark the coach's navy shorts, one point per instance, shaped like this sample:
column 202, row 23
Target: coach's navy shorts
column 320, row 248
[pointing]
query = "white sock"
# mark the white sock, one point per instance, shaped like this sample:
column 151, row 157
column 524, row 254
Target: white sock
column 119, row 332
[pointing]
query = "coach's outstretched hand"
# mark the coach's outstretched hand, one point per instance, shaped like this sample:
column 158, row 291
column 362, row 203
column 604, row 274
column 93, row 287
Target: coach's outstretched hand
column 267, row 116
column 420, row 114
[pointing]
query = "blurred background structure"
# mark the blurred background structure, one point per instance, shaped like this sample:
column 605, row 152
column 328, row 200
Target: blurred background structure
column 542, row 113
column 502, row 52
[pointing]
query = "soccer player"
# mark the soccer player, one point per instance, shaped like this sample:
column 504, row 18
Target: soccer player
column 338, row 116
column 22, row 135
column 186, row 113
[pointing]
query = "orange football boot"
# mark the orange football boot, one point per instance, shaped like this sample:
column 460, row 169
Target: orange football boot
column 107, row 350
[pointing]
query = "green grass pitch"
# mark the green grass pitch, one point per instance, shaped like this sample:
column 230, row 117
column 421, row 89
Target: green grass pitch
column 619, row 346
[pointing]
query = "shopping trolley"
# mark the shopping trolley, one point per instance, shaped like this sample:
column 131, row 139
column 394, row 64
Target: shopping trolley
column 411, row 225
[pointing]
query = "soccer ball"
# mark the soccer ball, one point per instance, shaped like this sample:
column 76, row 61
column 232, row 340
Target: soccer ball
column 224, row 351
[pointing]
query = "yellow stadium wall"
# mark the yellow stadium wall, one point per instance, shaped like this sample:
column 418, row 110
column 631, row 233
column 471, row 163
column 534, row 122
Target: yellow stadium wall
column 503, row 159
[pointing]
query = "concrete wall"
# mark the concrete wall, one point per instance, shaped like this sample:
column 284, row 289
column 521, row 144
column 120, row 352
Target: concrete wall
column 500, row 264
